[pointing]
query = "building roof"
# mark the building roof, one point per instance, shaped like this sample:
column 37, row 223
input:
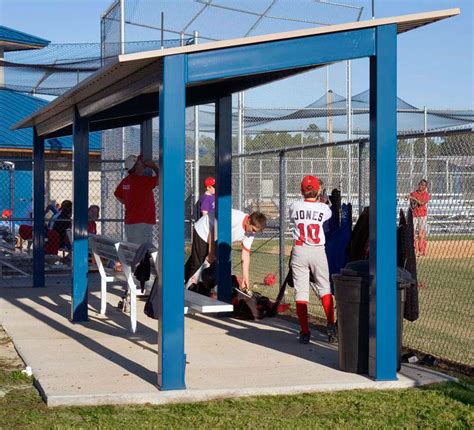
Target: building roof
column 13, row 107
column 14, row 40
column 139, row 74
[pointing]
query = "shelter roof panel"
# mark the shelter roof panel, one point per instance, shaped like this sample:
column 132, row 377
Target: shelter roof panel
column 112, row 85
column 13, row 107
column 14, row 40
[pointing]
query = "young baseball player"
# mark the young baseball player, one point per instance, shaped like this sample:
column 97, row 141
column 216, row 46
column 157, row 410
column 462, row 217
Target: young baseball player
column 244, row 228
column 309, row 256
column 418, row 201
column 207, row 202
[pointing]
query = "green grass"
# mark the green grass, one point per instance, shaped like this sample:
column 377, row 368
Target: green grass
column 445, row 326
column 448, row 405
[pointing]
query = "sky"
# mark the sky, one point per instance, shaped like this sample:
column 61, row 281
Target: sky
column 435, row 62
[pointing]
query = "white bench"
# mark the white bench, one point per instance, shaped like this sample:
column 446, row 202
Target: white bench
column 124, row 253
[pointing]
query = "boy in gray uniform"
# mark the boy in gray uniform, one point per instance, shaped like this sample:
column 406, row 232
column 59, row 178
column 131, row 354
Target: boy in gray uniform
column 309, row 256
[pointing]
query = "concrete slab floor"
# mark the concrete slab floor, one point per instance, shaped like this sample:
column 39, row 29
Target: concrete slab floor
column 101, row 362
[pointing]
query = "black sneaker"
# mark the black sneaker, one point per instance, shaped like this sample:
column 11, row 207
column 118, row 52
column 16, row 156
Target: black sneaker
column 332, row 333
column 304, row 338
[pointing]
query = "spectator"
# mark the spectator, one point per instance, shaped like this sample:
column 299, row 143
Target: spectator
column 93, row 215
column 135, row 192
column 418, row 202
column 62, row 222
column 207, row 202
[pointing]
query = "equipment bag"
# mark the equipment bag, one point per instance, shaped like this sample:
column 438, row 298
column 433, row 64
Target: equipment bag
column 152, row 305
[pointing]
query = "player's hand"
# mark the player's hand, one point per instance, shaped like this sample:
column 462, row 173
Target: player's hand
column 245, row 284
column 149, row 163
column 211, row 258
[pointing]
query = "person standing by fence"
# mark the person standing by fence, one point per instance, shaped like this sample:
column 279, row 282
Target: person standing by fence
column 135, row 192
column 207, row 202
column 308, row 256
column 418, row 202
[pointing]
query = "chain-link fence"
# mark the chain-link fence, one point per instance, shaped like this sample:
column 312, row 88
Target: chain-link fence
column 445, row 273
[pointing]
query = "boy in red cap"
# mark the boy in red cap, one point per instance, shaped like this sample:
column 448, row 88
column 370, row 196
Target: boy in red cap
column 308, row 256
column 207, row 202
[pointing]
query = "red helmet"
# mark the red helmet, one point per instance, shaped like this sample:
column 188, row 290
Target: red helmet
column 310, row 183
column 6, row 213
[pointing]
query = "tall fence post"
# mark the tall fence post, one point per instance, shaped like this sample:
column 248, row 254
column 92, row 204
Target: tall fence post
column 282, row 191
column 425, row 141
column 240, row 133
column 361, row 179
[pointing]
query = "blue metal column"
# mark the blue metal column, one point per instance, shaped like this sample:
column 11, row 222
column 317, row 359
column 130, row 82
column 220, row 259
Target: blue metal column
column 38, row 210
column 171, row 357
column 80, row 202
column 383, row 187
column 223, row 162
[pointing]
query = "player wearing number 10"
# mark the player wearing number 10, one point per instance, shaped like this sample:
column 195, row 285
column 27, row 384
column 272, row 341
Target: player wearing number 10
column 308, row 256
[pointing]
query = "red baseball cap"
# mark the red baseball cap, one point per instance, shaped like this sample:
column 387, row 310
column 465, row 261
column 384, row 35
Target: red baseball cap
column 6, row 213
column 310, row 183
column 209, row 182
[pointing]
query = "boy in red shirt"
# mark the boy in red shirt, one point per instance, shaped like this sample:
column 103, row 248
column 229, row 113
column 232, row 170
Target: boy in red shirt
column 418, row 201
column 135, row 192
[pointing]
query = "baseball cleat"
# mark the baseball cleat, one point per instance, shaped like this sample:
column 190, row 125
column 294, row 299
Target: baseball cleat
column 332, row 333
column 304, row 338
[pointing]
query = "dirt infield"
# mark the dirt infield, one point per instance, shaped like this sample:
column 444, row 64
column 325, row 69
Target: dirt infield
column 450, row 249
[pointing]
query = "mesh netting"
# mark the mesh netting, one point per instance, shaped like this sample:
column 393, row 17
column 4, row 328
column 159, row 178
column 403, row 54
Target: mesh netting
column 247, row 17
column 58, row 67
column 315, row 116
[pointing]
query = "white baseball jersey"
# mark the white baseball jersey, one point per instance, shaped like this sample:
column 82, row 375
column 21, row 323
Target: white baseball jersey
column 306, row 222
column 238, row 234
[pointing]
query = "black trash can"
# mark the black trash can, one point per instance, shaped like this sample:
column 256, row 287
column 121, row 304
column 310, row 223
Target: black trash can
column 352, row 299
column 352, row 294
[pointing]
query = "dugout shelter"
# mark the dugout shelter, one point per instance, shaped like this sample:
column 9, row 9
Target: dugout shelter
column 137, row 87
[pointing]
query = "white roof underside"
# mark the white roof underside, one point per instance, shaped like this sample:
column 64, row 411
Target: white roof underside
column 106, row 88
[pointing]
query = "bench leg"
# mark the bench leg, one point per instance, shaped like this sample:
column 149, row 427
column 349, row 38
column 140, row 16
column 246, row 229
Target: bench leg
column 133, row 309
column 103, row 296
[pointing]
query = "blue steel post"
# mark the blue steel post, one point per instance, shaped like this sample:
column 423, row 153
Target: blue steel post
column 223, row 164
column 383, row 187
column 80, row 201
column 38, row 210
column 171, row 357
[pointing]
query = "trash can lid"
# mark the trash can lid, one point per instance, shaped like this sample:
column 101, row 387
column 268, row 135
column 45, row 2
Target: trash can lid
column 361, row 268
column 356, row 268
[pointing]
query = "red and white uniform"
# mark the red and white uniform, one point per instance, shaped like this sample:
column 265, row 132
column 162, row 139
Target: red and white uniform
column 420, row 210
column 306, row 222
column 239, row 220
column 308, row 254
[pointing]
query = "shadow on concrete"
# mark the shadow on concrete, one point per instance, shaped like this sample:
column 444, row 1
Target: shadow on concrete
column 116, row 323
column 277, row 334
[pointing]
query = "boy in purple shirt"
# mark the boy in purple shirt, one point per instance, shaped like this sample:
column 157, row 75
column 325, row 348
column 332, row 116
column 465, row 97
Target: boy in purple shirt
column 207, row 203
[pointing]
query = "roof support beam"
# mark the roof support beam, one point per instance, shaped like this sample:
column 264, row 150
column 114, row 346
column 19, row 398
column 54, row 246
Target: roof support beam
column 280, row 55
column 223, row 164
column 38, row 209
column 383, row 221
column 80, row 202
column 171, row 357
